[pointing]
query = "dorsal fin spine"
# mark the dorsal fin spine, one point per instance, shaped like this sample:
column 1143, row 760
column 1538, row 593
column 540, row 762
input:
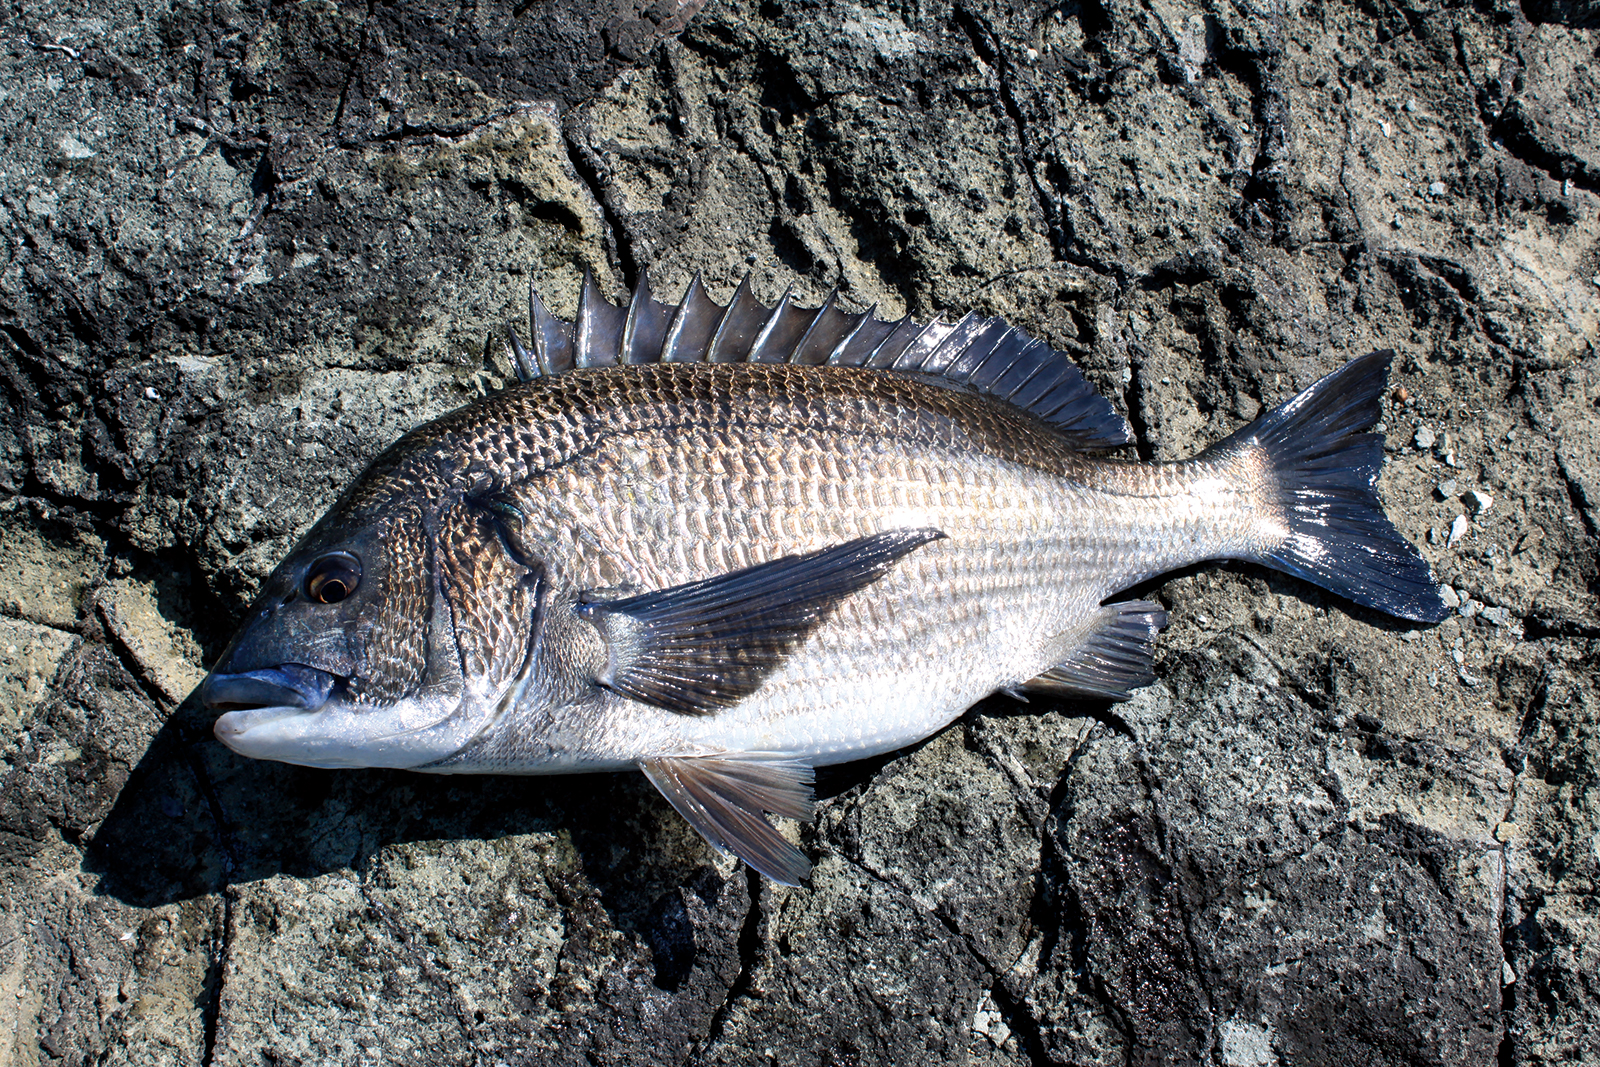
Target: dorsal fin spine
column 881, row 356
column 552, row 338
column 630, row 327
column 972, row 330
column 855, row 331
column 680, row 319
column 584, row 338
column 942, row 353
column 526, row 371
column 720, row 337
column 771, row 325
column 811, row 327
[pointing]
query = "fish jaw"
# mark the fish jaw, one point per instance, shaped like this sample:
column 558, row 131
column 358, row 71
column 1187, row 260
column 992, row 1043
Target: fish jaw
column 409, row 733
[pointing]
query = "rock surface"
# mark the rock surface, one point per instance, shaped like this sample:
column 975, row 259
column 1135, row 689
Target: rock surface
column 243, row 246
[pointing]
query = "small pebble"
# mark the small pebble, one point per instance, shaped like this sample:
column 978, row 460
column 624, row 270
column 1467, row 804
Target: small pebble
column 1424, row 438
column 1470, row 608
column 1451, row 598
column 1507, row 975
column 1448, row 488
column 1388, row 130
column 1458, row 655
column 1458, row 530
column 1437, row 189
column 1500, row 616
column 1433, row 536
column 151, row 394
column 1410, row 106
column 1479, row 501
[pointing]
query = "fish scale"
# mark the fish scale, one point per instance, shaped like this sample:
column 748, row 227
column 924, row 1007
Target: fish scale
column 727, row 544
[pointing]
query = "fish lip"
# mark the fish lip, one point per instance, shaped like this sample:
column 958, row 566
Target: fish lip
column 341, row 734
column 288, row 686
column 230, row 728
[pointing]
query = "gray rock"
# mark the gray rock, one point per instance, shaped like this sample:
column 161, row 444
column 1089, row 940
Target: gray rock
column 245, row 246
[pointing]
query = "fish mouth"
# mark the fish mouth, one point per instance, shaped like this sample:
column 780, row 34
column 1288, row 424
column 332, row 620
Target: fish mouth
column 288, row 686
column 296, row 714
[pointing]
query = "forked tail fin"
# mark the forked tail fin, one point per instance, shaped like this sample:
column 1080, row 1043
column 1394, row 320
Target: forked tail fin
column 1326, row 468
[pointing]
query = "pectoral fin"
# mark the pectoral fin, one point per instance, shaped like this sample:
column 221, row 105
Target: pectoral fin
column 723, row 798
column 1113, row 660
column 707, row 645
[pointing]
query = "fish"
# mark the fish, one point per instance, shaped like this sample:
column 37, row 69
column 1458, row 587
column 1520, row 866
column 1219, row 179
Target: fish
column 725, row 545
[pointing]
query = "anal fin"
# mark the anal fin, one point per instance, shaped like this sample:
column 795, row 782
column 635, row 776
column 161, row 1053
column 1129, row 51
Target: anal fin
column 1113, row 660
column 723, row 797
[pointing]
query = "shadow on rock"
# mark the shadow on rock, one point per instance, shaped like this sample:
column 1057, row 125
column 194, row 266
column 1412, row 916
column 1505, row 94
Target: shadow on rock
column 194, row 817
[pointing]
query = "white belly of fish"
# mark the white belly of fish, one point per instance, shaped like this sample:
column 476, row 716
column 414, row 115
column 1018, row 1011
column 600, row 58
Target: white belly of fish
column 892, row 665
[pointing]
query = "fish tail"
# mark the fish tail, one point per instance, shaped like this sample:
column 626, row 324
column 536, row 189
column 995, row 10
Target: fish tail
column 1321, row 473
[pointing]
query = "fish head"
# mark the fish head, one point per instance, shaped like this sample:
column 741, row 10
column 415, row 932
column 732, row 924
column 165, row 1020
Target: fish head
column 359, row 651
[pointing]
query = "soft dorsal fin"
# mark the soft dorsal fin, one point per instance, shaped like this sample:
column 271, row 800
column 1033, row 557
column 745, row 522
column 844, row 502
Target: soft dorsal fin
column 984, row 355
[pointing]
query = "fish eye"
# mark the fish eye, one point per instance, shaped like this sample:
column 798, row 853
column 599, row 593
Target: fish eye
column 333, row 577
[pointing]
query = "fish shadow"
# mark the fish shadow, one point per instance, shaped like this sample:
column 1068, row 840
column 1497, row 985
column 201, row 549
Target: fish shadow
column 194, row 818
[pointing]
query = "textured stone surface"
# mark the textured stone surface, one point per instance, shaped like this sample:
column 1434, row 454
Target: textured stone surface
column 243, row 246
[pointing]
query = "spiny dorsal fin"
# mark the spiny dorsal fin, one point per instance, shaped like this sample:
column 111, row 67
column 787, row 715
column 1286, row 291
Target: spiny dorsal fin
column 645, row 330
column 552, row 338
column 598, row 336
column 984, row 355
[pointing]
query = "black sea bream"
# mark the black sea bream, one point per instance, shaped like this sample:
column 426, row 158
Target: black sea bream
column 728, row 545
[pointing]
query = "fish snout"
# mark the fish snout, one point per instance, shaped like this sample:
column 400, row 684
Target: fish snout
column 288, row 685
